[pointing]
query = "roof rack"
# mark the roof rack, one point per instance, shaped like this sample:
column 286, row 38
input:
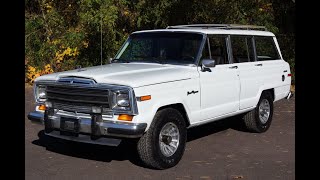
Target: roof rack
column 218, row 26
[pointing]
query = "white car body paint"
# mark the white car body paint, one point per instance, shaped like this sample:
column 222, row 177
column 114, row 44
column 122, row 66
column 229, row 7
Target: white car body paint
column 221, row 93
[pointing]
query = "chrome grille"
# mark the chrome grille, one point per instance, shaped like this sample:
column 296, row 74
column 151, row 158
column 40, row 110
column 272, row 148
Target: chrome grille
column 76, row 98
column 72, row 108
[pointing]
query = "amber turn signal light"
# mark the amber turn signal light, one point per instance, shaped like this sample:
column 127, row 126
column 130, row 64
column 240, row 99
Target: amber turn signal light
column 42, row 107
column 145, row 98
column 125, row 117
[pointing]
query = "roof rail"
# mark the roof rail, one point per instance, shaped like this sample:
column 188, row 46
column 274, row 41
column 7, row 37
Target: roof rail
column 218, row 26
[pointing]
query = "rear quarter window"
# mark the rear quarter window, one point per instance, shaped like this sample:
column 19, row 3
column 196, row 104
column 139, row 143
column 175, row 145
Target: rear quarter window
column 266, row 49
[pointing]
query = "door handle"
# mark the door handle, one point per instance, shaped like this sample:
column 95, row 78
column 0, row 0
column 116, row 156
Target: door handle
column 258, row 65
column 233, row 67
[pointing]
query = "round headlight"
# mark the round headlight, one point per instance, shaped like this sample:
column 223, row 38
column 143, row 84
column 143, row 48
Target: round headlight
column 123, row 100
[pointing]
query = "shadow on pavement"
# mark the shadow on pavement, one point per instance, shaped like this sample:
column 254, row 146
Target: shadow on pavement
column 234, row 123
column 127, row 150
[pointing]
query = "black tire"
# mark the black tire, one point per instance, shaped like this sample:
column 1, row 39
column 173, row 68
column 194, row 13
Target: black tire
column 148, row 146
column 252, row 119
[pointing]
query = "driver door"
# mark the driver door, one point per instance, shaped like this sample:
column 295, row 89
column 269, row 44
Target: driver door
column 220, row 87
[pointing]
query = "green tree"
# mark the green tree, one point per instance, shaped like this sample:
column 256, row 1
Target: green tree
column 62, row 34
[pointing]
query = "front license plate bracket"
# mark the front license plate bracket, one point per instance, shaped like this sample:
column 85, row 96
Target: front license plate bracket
column 69, row 125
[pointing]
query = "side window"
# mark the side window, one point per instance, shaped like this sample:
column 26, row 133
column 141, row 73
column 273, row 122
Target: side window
column 266, row 49
column 218, row 49
column 205, row 52
column 242, row 49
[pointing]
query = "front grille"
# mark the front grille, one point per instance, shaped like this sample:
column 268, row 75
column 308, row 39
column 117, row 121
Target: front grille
column 72, row 107
column 80, row 99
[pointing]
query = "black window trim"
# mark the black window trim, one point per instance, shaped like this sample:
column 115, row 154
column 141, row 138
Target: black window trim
column 254, row 49
column 209, row 49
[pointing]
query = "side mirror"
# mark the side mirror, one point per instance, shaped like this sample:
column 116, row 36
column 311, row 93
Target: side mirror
column 207, row 64
column 110, row 60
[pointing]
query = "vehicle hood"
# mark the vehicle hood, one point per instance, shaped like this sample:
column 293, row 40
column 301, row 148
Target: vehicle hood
column 130, row 74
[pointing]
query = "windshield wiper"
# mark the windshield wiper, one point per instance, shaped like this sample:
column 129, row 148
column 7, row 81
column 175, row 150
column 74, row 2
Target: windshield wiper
column 115, row 60
column 148, row 59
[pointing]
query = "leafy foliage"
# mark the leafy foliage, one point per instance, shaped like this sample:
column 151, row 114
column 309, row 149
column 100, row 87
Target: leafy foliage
column 63, row 34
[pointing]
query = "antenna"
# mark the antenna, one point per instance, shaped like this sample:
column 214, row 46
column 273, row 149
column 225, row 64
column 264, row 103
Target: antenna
column 101, row 42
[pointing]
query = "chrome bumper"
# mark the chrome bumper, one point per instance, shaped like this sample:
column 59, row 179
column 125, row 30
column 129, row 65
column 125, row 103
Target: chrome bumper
column 36, row 117
column 290, row 95
column 101, row 129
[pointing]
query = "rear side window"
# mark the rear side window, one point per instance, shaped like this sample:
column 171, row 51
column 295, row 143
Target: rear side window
column 266, row 49
column 242, row 49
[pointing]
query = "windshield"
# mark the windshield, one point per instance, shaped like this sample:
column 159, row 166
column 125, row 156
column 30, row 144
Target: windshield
column 161, row 47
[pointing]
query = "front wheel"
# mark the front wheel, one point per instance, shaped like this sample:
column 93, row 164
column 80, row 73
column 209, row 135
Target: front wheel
column 163, row 145
column 259, row 119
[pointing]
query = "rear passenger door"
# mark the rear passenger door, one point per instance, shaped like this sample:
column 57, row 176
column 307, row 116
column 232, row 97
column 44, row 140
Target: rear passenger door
column 243, row 57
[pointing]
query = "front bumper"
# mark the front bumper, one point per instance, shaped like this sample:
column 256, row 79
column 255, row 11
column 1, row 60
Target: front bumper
column 91, row 129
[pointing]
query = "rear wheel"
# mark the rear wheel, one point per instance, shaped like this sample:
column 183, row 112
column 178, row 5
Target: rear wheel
column 259, row 119
column 162, row 146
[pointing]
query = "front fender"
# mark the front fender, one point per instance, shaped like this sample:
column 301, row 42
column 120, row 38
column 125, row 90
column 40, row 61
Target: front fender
column 161, row 95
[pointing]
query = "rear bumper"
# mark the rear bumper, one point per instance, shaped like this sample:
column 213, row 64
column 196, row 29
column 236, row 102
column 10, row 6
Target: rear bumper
column 89, row 127
column 290, row 95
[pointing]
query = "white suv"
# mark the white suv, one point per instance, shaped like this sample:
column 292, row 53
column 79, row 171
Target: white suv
column 164, row 81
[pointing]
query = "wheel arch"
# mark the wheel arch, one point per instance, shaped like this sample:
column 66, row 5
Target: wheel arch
column 180, row 107
column 271, row 91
